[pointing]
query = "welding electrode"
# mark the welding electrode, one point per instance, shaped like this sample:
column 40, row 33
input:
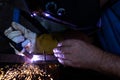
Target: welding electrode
column 20, row 48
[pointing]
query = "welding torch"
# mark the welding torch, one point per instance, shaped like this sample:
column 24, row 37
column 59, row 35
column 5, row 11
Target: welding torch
column 18, row 46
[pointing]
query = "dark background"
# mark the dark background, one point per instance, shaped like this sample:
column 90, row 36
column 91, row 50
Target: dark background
column 79, row 12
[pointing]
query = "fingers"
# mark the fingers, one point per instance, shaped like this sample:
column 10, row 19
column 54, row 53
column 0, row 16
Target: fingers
column 7, row 31
column 16, row 36
column 65, row 43
column 26, row 32
column 63, row 47
column 19, row 27
column 18, row 39
column 58, row 53
column 62, row 52
column 65, row 62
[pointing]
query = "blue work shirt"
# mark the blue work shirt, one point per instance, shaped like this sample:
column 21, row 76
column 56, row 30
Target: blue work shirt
column 109, row 29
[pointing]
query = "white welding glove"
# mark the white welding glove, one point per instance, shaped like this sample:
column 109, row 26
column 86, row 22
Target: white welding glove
column 20, row 34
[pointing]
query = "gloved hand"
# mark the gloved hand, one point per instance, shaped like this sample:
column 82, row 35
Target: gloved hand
column 29, row 39
column 20, row 34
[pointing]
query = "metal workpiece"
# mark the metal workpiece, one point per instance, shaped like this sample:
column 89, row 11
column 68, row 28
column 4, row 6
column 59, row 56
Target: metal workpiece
column 11, row 58
column 44, row 58
column 37, row 59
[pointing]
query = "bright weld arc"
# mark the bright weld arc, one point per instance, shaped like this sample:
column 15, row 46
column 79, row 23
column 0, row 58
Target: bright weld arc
column 36, row 58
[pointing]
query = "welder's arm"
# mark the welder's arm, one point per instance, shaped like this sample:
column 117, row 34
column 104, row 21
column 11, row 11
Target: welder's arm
column 29, row 40
column 77, row 53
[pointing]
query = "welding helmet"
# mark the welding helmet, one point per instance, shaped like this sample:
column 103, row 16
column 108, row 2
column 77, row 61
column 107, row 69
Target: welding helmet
column 54, row 13
column 75, row 11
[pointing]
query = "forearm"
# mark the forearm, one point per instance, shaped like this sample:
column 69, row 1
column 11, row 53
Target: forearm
column 109, row 64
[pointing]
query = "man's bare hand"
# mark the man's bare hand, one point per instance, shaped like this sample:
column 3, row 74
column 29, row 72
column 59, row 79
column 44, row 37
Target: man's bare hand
column 77, row 53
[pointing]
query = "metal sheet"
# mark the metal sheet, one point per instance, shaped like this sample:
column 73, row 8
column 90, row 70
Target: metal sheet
column 13, row 58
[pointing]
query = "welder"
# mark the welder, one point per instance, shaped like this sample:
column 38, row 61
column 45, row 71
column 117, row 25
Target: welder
column 78, row 53
column 83, row 55
column 66, row 51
